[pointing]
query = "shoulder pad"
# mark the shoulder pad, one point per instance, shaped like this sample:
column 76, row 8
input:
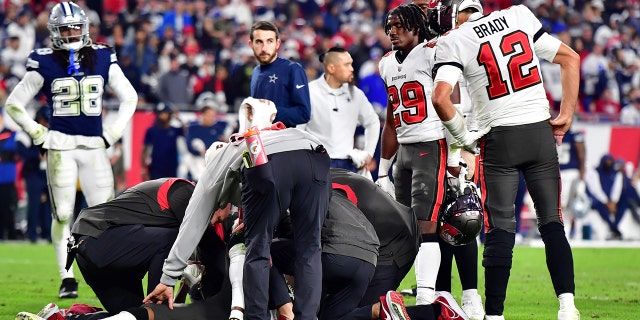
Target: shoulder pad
column 389, row 53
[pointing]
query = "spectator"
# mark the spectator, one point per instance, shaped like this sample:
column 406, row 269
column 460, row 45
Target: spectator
column 630, row 114
column 160, row 151
column 25, row 29
column 8, row 173
column 35, row 177
column 140, row 51
column 174, row 86
column 604, row 186
column 204, row 132
column 277, row 79
column 12, row 56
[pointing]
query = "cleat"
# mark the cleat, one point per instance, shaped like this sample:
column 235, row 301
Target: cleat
column 69, row 288
column 472, row 306
column 409, row 292
column 450, row 310
column 392, row 307
column 28, row 316
column 51, row 312
column 568, row 314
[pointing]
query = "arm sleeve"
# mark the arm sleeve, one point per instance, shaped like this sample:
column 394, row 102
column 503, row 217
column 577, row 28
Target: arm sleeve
column 126, row 94
column 447, row 66
column 368, row 118
column 299, row 110
column 23, row 93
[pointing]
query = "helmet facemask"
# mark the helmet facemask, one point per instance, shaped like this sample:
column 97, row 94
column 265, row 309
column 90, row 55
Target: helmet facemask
column 65, row 20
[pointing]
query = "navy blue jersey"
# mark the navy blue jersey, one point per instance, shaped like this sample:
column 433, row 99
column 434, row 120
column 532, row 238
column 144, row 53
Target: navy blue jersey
column 285, row 83
column 208, row 135
column 567, row 153
column 164, row 154
column 75, row 99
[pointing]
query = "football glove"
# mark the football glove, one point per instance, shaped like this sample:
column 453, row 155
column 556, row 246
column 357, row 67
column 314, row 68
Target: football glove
column 387, row 186
column 39, row 134
column 110, row 135
column 358, row 157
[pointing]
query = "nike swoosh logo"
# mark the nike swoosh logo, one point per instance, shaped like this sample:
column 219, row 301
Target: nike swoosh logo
column 298, row 86
column 422, row 154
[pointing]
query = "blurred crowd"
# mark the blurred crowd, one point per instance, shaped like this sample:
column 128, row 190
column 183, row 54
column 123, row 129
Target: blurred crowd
column 184, row 55
column 165, row 46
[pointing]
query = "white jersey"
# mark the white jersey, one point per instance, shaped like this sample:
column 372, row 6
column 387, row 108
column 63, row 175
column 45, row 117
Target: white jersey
column 409, row 86
column 498, row 54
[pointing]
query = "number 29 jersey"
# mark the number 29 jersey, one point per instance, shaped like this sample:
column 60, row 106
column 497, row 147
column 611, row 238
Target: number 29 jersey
column 409, row 86
column 75, row 100
column 498, row 54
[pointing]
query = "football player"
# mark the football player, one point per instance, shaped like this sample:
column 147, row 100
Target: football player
column 73, row 74
column 571, row 156
column 413, row 132
column 499, row 56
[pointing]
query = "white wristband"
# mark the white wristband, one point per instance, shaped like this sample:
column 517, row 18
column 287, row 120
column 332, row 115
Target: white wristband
column 456, row 126
column 385, row 165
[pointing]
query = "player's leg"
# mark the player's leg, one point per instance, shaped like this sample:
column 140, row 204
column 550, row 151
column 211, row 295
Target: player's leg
column 344, row 281
column 427, row 188
column 543, row 181
column 499, row 181
column 62, row 177
column 261, row 209
column 311, row 190
column 443, row 282
column 96, row 175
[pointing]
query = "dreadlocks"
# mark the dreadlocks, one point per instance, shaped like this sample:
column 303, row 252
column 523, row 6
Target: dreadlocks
column 412, row 18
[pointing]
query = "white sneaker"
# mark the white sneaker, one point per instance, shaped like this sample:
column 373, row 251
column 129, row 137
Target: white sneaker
column 493, row 317
column 568, row 314
column 472, row 306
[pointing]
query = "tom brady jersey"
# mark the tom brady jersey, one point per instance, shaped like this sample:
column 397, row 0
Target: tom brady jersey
column 498, row 54
column 76, row 98
column 409, row 86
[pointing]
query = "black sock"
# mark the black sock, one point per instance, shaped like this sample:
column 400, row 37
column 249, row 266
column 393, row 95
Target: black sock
column 559, row 258
column 467, row 264
column 443, row 282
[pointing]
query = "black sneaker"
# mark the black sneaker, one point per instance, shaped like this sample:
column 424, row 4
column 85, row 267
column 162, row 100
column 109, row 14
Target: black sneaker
column 69, row 288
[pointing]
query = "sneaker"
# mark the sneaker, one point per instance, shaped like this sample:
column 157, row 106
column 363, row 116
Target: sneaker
column 450, row 310
column 409, row 292
column 493, row 317
column 392, row 307
column 28, row 316
column 568, row 314
column 69, row 288
column 51, row 312
column 472, row 306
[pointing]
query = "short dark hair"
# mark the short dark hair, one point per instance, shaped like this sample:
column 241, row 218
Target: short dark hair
column 332, row 49
column 264, row 25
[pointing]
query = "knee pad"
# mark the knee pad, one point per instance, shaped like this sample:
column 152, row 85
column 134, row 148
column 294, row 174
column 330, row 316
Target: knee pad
column 498, row 248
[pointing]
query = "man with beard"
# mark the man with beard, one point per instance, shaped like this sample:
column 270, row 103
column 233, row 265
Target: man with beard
column 282, row 81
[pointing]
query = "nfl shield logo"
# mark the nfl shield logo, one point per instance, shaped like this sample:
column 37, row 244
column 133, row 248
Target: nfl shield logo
column 399, row 68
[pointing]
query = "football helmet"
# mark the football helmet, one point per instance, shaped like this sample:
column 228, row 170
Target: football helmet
column 580, row 205
column 68, row 16
column 443, row 14
column 460, row 218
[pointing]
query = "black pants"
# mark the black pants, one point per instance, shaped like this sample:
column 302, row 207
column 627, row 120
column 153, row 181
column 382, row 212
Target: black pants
column 8, row 204
column 345, row 279
column 115, row 264
column 385, row 278
column 300, row 182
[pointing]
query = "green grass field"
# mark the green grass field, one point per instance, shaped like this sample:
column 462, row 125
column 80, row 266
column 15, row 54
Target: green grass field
column 607, row 283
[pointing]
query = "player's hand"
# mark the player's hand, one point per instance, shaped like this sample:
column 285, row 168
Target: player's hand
column 560, row 125
column 110, row 135
column 387, row 186
column 39, row 135
column 359, row 157
column 469, row 140
column 162, row 293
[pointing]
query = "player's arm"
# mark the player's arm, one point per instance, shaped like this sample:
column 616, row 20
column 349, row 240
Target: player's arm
column 368, row 118
column 23, row 93
column 299, row 111
column 128, row 97
column 569, row 62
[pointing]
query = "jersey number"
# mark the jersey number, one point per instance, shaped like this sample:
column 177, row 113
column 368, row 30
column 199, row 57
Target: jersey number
column 71, row 97
column 413, row 99
column 498, row 87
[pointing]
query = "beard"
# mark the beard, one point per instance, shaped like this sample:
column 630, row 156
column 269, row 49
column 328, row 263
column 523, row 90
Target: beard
column 266, row 58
